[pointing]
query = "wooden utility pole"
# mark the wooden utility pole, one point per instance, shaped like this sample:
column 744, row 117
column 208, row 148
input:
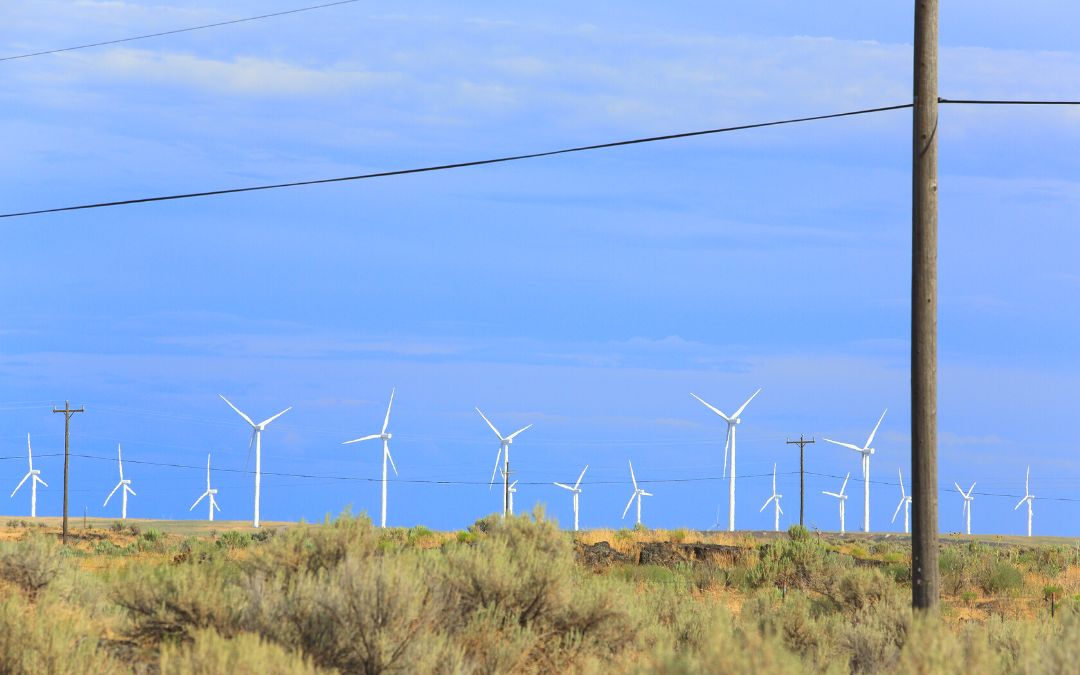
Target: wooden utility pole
column 68, row 411
column 802, row 443
column 924, row 528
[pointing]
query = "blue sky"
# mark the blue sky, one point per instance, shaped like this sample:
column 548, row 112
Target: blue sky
column 585, row 294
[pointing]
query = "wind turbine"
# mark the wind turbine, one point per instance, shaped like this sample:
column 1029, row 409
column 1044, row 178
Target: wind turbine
column 511, row 490
column 256, row 438
column 732, row 422
column 504, row 454
column 843, row 499
column 967, row 505
column 775, row 499
column 905, row 503
column 35, row 475
column 386, row 452
column 126, row 484
column 638, row 494
column 210, row 492
column 576, row 490
column 865, row 451
column 1028, row 497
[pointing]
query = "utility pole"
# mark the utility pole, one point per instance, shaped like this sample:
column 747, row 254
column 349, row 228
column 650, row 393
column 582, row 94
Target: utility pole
column 68, row 411
column 924, row 528
column 802, row 443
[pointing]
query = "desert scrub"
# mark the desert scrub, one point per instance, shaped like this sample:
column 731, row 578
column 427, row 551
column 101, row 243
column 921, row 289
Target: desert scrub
column 307, row 549
column 169, row 602
column 35, row 639
column 30, row 563
column 208, row 653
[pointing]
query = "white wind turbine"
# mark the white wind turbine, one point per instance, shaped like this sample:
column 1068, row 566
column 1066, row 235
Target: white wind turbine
column 386, row 452
column 638, row 494
column 210, row 492
column 967, row 505
column 842, row 498
column 256, row 438
column 905, row 503
column 511, row 490
column 1028, row 497
column 504, row 454
column 865, row 451
column 775, row 499
column 126, row 484
column 35, row 476
column 576, row 490
column 729, row 442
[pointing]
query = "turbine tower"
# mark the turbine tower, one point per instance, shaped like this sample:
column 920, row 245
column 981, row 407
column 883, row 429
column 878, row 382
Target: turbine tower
column 504, row 454
column 842, row 498
column 210, row 492
column 775, row 499
column 256, row 438
column 905, row 503
column 576, row 490
column 638, row 494
column 967, row 507
column 34, row 476
column 865, row 451
column 126, row 484
column 386, row 452
column 510, row 491
column 729, row 442
column 1028, row 497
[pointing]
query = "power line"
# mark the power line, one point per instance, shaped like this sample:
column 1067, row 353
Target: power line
column 178, row 30
column 970, row 101
column 457, row 165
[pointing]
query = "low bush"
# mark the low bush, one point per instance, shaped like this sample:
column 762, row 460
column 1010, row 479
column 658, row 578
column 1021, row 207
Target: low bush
column 1001, row 577
column 208, row 653
column 30, row 563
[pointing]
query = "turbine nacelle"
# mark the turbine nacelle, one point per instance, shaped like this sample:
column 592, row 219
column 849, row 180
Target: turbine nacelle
column 386, row 437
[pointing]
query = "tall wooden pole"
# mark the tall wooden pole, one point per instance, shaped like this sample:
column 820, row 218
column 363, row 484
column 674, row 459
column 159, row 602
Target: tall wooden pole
column 924, row 529
column 802, row 443
column 68, row 411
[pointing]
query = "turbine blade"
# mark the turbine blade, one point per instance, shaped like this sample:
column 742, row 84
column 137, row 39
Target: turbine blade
column 846, row 445
column 1018, row 504
column 205, row 494
column 634, row 480
column 727, row 444
column 268, row 420
column 29, row 452
column 1027, row 482
column 778, row 507
column 214, row 503
column 128, row 488
column 246, row 418
column 710, row 407
column 564, row 486
column 901, row 474
column 207, row 471
column 386, row 420
column 511, row 436
column 20, row 484
column 629, row 503
column 765, row 504
column 111, row 494
column 842, row 487
column 38, row 479
column 958, row 489
column 970, row 489
column 490, row 424
column 647, row 494
column 581, row 476
column 831, row 494
column 251, row 444
column 365, row 438
column 873, row 433
column 494, row 471
column 120, row 461
column 897, row 512
column 390, row 457
column 743, row 406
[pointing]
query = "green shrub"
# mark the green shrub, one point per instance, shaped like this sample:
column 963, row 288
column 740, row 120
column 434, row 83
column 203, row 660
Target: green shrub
column 235, row 539
column 306, row 548
column 798, row 533
column 33, row 640
column 1001, row 577
column 210, row 654
column 30, row 563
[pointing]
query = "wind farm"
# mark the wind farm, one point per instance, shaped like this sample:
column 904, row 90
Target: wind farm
column 573, row 215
